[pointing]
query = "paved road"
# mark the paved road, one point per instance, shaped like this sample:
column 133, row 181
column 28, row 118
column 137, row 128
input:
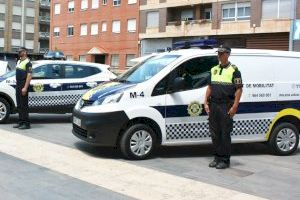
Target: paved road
column 253, row 170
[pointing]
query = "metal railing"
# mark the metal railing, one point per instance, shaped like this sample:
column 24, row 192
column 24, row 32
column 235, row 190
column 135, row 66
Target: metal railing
column 45, row 19
column 44, row 35
column 44, row 50
column 45, row 3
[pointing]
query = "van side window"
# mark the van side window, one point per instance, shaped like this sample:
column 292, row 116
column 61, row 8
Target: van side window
column 196, row 73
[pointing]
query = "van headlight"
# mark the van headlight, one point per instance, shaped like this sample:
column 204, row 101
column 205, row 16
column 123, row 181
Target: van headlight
column 115, row 98
column 79, row 104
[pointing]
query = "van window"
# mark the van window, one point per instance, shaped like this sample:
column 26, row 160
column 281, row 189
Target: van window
column 146, row 70
column 79, row 71
column 196, row 73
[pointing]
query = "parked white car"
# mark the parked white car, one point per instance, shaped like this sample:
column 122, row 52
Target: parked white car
column 56, row 86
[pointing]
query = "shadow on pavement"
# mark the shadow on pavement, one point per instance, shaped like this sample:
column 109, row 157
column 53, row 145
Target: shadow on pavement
column 44, row 118
column 178, row 152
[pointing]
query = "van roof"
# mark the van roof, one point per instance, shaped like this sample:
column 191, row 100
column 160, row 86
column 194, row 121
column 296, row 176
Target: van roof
column 194, row 52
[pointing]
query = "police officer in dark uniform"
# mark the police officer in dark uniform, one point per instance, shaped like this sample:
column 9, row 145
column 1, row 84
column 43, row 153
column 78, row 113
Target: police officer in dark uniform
column 221, row 103
column 23, row 78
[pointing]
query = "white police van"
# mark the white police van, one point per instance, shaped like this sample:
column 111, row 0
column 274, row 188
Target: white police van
column 55, row 87
column 160, row 102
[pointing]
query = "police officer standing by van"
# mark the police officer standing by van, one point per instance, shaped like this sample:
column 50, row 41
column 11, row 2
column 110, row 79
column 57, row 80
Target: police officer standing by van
column 23, row 78
column 221, row 103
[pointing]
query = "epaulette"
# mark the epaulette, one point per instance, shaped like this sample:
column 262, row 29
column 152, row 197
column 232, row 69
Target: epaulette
column 235, row 67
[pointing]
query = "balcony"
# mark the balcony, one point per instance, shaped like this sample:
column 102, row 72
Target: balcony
column 182, row 29
column 44, row 19
column 155, row 4
column 44, row 50
column 203, row 28
column 44, row 35
column 45, row 4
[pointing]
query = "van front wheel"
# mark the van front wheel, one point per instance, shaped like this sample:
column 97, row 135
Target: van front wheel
column 4, row 110
column 284, row 139
column 138, row 142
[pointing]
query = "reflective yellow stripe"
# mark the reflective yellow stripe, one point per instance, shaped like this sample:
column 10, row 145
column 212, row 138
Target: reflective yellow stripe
column 22, row 64
column 283, row 113
column 91, row 92
column 225, row 77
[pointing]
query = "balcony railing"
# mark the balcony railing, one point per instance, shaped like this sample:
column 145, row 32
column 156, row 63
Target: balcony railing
column 45, row 4
column 44, row 35
column 44, row 50
column 44, row 19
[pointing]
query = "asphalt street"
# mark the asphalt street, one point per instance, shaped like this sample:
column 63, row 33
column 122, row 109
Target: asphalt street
column 253, row 170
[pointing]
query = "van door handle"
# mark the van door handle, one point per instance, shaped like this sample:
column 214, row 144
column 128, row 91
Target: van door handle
column 55, row 85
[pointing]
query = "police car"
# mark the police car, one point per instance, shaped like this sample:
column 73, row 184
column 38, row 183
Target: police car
column 160, row 102
column 55, row 87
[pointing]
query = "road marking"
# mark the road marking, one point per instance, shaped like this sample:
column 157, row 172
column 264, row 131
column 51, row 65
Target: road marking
column 125, row 178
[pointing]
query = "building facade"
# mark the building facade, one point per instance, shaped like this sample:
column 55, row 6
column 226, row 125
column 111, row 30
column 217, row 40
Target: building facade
column 21, row 25
column 101, row 31
column 261, row 24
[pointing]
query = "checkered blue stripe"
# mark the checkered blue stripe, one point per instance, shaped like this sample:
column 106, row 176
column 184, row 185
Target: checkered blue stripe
column 184, row 131
column 62, row 100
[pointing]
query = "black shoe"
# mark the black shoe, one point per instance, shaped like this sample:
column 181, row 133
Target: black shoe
column 17, row 125
column 24, row 126
column 222, row 165
column 213, row 163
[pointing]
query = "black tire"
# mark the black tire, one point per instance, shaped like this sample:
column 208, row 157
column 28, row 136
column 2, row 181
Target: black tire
column 6, row 105
column 124, row 143
column 274, row 135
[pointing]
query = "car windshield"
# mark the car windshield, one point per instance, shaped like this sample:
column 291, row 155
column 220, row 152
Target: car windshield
column 147, row 69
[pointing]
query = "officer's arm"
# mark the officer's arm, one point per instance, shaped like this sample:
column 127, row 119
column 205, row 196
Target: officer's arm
column 29, row 76
column 237, row 80
column 28, row 79
column 238, row 94
column 207, row 95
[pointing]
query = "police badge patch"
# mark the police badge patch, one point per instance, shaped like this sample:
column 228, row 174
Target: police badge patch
column 38, row 87
column 195, row 109
column 215, row 72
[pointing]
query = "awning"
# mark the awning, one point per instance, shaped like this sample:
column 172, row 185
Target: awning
column 97, row 50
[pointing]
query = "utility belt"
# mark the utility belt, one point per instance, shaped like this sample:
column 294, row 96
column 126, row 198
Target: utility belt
column 226, row 100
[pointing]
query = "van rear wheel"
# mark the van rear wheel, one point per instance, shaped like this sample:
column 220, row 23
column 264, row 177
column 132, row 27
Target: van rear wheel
column 138, row 142
column 4, row 110
column 284, row 139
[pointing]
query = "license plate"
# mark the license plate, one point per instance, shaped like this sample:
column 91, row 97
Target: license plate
column 77, row 121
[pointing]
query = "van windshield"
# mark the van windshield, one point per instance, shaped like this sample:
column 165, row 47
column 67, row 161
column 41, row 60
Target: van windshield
column 147, row 69
column 9, row 74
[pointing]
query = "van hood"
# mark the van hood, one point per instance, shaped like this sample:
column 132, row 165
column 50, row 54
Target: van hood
column 106, row 89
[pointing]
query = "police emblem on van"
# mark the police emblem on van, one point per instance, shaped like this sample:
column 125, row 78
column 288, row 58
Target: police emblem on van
column 195, row 109
column 38, row 87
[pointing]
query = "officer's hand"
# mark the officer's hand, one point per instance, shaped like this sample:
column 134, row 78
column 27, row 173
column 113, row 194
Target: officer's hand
column 232, row 111
column 24, row 91
column 206, row 107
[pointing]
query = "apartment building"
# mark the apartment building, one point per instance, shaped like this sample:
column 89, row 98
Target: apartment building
column 21, row 25
column 101, row 31
column 262, row 24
